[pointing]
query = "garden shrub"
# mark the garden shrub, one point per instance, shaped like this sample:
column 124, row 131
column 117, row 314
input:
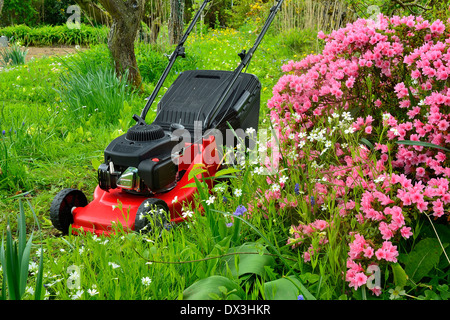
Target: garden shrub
column 366, row 123
column 56, row 35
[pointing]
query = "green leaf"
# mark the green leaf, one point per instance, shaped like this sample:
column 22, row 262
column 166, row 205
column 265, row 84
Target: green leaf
column 422, row 259
column 202, row 289
column 3, row 265
column 95, row 163
column 196, row 170
column 305, row 291
column 400, row 276
column 190, row 185
column 39, row 285
column 411, row 97
column 24, row 264
column 367, row 143
column 248, row 263
column 226, row 171
column 421, row 143
column 282, row 289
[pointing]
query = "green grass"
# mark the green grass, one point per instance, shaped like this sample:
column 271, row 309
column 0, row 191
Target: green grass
column 50, row 142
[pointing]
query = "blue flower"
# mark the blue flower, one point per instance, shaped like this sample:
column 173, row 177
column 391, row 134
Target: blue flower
column 300, row 297
column 224, row 199
column 229, row 224
column 297, row 189
column 312, row 201
column 240, row 210
column 3, row 132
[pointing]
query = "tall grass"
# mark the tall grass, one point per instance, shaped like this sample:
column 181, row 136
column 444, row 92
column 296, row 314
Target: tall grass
column 314, row 15
column 91, row 89
column 13, row 55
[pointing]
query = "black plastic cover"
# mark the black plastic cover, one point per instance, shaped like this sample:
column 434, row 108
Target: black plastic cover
column 195, row 93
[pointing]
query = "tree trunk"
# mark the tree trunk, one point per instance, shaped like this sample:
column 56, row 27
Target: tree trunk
column 1, row 7
column 176, row 21
column 126, row 19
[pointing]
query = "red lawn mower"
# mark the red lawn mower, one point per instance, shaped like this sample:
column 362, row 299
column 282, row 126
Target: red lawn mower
column 144, row 179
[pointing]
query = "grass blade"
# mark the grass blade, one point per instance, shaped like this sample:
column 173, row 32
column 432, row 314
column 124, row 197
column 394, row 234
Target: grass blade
column 39, row 286
column 422, row 144
column 24, row 263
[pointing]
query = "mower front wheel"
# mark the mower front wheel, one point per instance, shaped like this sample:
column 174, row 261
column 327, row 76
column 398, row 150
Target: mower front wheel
column 62, row 205
column 152, row 215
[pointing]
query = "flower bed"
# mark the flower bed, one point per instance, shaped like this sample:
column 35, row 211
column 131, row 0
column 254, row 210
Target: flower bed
column 368, row 121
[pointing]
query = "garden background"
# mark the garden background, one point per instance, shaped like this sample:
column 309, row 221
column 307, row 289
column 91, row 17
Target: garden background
column 359, row 96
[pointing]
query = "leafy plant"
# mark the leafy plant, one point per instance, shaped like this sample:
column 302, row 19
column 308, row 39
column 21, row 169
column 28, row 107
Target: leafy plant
column 15, row 260
column 14, row 55
column 91, row 88
column 56, row 35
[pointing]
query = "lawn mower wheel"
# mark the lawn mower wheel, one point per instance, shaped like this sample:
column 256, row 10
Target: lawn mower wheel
column 152, row 214
column 62, row 206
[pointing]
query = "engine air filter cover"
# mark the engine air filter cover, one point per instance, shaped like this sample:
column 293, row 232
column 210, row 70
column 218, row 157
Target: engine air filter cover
column 146, row 132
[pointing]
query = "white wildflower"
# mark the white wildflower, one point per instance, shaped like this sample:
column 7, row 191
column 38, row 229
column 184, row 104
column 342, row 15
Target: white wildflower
column 146, row 281
column 114, row 265
column 210, row 200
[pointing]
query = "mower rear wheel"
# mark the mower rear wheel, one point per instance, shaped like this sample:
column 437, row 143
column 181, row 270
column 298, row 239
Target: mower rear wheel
column 62, row 205
column 152, row 215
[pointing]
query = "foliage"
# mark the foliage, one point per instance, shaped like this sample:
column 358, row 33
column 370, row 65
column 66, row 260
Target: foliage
column 54, row 12
column 91, row 90
column 378, row 189
column 244, row 11
column 56, row 35
column 430, row 10
column 13, row 55
column 262, row 234
column 152, row 61
column 15, row 261
column 19, row 11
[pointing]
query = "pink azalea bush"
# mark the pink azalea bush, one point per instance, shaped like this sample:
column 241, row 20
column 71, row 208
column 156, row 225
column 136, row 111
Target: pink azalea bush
column 351, row 108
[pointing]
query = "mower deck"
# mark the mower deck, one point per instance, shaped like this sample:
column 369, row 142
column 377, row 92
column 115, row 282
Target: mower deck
column 111, row 208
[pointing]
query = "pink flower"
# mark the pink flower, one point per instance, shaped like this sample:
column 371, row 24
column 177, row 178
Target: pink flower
column 406, row 232
column 320, row 224
column 437, row 27
column 380, row 254
column 387, row 252
column 443, row 125
column 368, row 252
column 415, row 74
column 401, row 90
column 360, row 279
column 422, row 206
column 420, row 172
column 385, row 230
column 376, row 290
column 306, row 256
column 416, row 197
column 349, row 83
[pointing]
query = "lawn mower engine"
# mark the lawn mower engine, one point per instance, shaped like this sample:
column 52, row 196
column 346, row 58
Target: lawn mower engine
column 144, row 181
column 140, row 182
column 145, row 160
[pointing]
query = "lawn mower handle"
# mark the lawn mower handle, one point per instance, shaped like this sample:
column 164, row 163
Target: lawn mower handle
column 179, row 51
column 245, row 60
